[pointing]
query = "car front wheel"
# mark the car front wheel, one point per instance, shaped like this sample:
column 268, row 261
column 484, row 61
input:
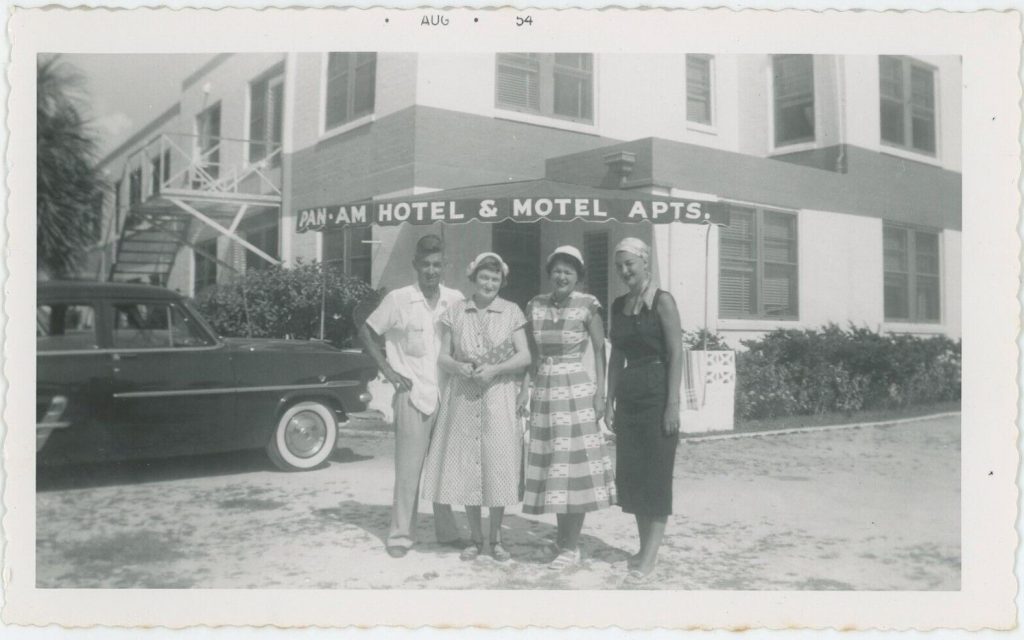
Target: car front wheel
column 304, row 437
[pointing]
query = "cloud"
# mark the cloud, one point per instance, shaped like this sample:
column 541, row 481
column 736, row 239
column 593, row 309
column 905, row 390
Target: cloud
column 111, row 130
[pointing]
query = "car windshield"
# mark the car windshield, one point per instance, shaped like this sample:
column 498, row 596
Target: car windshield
column 198, row 317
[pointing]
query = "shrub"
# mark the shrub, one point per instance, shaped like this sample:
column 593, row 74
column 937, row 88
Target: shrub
column 801, row 372
column 285, row 303
column 704, row 340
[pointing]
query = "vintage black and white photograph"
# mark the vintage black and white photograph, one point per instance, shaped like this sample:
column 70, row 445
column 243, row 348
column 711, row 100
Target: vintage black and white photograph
column 558, row 319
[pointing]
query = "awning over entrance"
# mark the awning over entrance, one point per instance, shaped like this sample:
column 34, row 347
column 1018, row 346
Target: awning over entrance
column 523, row 201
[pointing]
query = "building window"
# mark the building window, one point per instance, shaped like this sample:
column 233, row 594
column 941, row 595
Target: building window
column 205, row 273
column 559, row 85
column 519, row 244
column 698, row 88
column 266, row 240
column 208, row 146
column 907, row 103
column 911, row 259
column 793, row 86
column 351, row 248
column 135, row 187
column 266, row 118
column 595, row 252
column 160, row 171
column 758, row 276
column 117, row 202
column 351, row 87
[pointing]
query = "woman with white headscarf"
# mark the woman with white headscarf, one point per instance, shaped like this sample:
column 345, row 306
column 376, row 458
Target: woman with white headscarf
column 644, row 374
column 475, row 456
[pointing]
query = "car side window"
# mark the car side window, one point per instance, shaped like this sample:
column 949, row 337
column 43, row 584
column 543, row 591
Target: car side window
column 141, row 325
column 155, row 325
column 65, row 327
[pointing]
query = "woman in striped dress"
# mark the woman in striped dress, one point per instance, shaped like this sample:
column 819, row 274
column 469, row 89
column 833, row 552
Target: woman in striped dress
column 568, row 470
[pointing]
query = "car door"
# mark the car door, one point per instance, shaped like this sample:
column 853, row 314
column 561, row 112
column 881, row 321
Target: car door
column 173, row 382
column 73, row 382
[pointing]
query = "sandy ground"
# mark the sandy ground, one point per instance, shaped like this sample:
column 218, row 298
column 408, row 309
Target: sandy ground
column 864, row 508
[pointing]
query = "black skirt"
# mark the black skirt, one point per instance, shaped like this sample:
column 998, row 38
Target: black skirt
column 644, row 458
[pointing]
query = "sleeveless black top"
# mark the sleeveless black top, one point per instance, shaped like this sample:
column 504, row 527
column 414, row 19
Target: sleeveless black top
column 640, row 337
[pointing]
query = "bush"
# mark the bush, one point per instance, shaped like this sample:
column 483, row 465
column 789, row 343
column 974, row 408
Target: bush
column 704, row 340
column 811, row 372
column 285, row 303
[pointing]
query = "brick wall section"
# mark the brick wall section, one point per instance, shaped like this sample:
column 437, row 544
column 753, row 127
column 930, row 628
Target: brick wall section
column 373, row 159
column 461, row 149
column 875, row 184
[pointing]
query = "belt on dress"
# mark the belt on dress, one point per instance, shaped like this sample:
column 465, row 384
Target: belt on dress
column 559, row 359
column 635, row 363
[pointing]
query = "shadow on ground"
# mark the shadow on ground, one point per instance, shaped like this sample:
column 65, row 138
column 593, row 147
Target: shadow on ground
column 129, row 472
column 527, row 540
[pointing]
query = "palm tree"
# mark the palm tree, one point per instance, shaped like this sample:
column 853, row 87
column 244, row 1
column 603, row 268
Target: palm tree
column 68, row 186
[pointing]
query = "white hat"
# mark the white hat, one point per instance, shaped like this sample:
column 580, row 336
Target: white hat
column 565, row 250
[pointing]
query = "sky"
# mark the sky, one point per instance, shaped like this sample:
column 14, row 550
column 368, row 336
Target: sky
column 126, row 91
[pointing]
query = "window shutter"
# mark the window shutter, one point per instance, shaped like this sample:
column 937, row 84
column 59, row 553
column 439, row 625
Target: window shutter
column 518, row 81
column 736, row 285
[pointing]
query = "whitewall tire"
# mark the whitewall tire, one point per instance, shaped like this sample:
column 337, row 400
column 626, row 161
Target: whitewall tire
column 304, row 437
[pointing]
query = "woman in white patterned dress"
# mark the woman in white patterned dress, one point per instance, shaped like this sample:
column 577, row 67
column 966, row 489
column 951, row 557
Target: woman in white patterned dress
column 475, row 456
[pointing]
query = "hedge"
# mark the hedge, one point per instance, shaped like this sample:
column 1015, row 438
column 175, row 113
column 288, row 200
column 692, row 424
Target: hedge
column 831, row 370
column 285, row 303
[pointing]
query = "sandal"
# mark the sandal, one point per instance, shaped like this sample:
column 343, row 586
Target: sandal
column 567, row 558
column 637, row 577
column 472, row 551
column 499, row 553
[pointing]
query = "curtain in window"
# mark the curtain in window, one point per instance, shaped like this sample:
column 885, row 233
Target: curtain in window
column 907, row 107
column 698, row 88
column 794, row 98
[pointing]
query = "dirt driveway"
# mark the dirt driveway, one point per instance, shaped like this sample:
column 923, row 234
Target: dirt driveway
column 866, row 508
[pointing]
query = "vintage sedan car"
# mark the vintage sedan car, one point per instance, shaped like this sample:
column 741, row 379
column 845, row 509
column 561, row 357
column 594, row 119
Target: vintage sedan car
column 133, row 371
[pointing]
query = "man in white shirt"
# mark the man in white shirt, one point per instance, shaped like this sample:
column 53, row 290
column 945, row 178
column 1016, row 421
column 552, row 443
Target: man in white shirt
column 409, row 321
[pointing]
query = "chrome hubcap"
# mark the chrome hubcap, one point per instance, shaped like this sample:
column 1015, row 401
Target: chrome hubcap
column 305, row 434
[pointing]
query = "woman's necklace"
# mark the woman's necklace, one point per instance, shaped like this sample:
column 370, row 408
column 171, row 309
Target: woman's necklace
column 560, row 301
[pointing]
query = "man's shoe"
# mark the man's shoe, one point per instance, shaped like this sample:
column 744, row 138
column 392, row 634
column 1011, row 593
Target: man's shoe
column 397, row 552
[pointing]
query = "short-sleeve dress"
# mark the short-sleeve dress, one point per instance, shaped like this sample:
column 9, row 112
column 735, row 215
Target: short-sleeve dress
column 475, row 455
column 644, row 457
column 568, row 469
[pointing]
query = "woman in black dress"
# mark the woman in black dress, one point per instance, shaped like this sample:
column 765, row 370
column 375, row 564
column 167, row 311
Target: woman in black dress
column 644, row 375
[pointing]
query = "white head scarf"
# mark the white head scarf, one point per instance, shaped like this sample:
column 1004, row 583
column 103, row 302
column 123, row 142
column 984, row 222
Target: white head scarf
column 639, row 248
column 486, row 254
column 636, row 246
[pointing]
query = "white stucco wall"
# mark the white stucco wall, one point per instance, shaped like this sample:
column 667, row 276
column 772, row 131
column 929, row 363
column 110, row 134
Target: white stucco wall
column 654, row 83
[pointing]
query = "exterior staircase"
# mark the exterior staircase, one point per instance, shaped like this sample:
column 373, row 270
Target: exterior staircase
column 178, row 186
